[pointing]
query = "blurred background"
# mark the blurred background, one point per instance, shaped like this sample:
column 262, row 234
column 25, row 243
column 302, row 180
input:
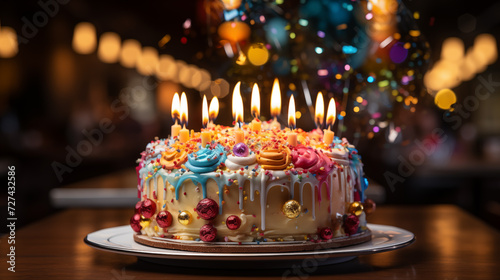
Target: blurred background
column 85, row 85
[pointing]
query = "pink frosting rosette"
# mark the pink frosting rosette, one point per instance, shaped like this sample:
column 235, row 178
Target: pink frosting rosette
column 313, row 161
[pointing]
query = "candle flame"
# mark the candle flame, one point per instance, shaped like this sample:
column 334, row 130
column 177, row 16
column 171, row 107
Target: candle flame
column 331, row 114
column 184, row 110
column 320, row 110
column 204, row 112
column 175, row 108
column 237, row 104
column 276, row 99
column 291, row 113
column 255, row 101
column 213, row 111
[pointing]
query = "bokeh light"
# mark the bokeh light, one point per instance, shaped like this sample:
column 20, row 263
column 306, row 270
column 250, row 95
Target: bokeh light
column 8, row 42
column 445, row 98
column 84, row 38
column 147, row 62
column 109, row 47
column 130, row 53
column 257, row 54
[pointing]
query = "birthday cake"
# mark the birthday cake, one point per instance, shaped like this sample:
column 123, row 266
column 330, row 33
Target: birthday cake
column 261, row 193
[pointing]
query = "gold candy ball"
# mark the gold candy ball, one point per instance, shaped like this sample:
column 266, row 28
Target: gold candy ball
column 185, row 218
column 356, row 208
column 144, row 222
column 291, row 209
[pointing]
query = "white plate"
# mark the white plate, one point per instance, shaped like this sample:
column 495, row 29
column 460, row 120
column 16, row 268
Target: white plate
column 120, row 240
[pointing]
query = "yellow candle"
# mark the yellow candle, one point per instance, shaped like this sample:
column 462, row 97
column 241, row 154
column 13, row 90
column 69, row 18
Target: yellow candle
column 275, row 104
column 292, row 135
column 184, row 132
column 330, row 119
column 205, row 138
column 175, row 116
column 239, row 136
column 255, row 125
column 292, row 138
column 175, row 130
column 328, row 136
column 184, row 135
column 213, row 111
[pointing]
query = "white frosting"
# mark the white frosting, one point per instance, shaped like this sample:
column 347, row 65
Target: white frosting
column 235, row 163
column 338, row 155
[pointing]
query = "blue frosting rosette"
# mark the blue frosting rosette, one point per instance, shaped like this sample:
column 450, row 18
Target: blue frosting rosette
column 206, row 160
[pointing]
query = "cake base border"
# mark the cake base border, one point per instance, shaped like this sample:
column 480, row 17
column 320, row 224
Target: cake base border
column 234, row 247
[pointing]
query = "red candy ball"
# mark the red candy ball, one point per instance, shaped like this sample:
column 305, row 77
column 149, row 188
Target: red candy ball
column 351, row 224
column 208, row 233
column 233, row 222
column 164, row 219
column 148, row 208
column 135, row 222
column 369, row 206
column 326, row 233
column 207, row 209
column 138, row 207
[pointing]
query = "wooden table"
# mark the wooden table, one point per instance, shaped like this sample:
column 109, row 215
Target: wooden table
column 451, row 244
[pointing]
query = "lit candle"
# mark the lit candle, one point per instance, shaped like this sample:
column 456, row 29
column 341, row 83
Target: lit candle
column 205, row 134
column 256, row 124
column 175, row 116
column 184, row 132
column 213, row 111
column 239, row 135
column 330, row 119
column 319, row 111
column 292, row 135
column 275, row 104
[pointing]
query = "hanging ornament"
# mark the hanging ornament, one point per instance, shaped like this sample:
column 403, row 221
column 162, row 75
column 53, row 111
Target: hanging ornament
column 135, row 222
column 207, row 209
column 148, row 208
column 208, row 233
column 234, row 31
column 185, row 218
column 291, row 209
column 231, row 4
column 355, row 208
column 233, row 222
column 164, row 219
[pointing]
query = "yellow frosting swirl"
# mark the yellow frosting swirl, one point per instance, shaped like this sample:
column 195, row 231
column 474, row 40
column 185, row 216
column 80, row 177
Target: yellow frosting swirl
column 274, row 159
column 173, row 158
